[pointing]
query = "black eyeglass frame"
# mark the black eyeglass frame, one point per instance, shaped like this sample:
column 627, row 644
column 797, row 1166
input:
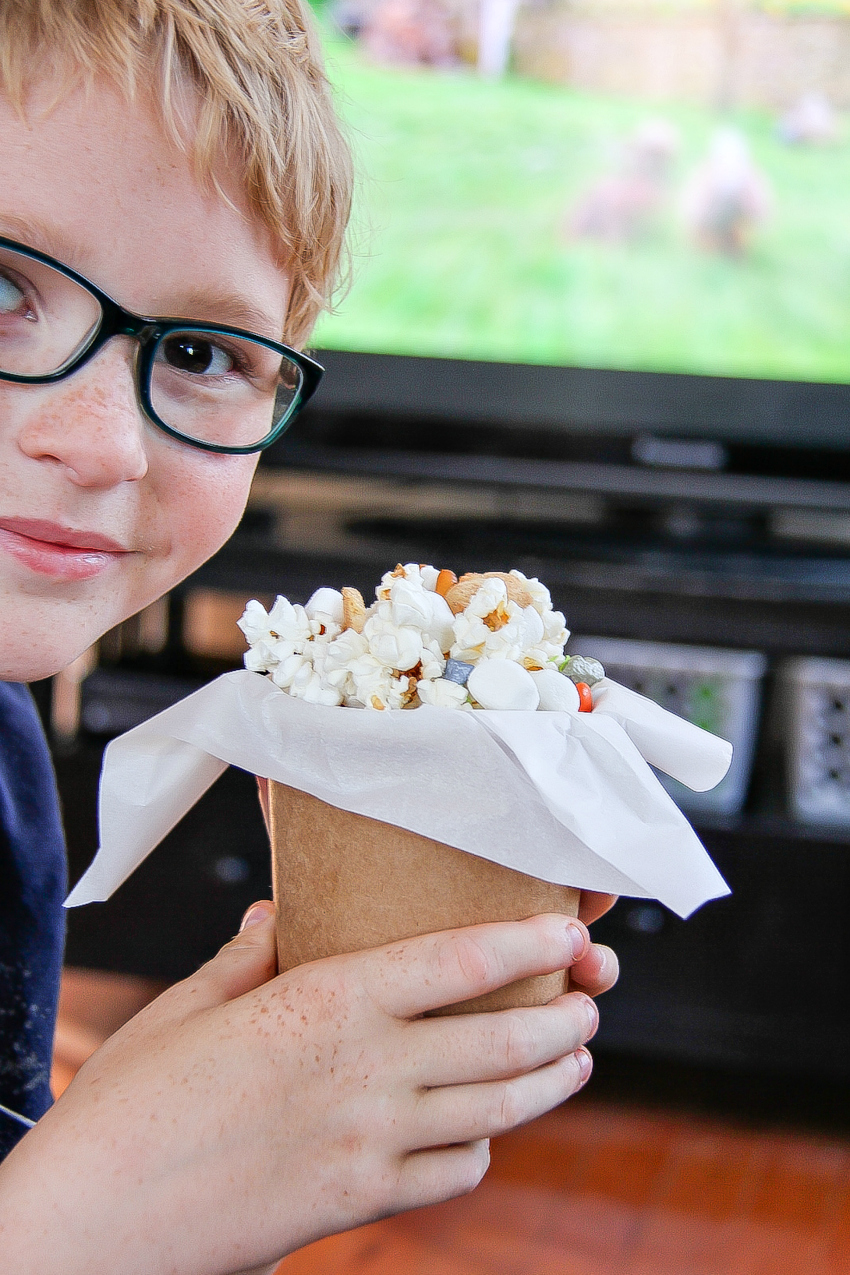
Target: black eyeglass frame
column 150, row 332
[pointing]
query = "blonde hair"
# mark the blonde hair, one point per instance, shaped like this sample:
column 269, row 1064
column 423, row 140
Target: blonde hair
column 262, row 99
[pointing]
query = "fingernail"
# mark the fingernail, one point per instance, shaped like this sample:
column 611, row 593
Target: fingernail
column 256, row 914
column 585, row 1065
column 578, row 942
column 592, row 1015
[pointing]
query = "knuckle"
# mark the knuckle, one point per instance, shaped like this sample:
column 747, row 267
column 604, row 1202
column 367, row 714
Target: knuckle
column 551, row 934
column 510, row 1110
column 519, row 1045
column 476, row 963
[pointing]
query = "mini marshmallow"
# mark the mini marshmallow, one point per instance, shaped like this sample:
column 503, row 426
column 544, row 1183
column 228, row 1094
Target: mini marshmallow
column 325, row 602
column 557, row 693
column 502, row 684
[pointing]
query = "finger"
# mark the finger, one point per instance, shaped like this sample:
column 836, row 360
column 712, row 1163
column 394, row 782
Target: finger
column 437, row 1174
column 596, row 972
column 592, row 905
column 424, row 973
column 471, row 1048
column 246, row 962
column 463, row 1113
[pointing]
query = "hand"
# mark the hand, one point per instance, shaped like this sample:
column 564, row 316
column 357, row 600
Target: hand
column 599, row 969
column 595, row 973
column 241, row 1116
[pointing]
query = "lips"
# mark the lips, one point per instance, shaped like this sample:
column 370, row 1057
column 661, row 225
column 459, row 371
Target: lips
column 52, row 533
column 65, row 553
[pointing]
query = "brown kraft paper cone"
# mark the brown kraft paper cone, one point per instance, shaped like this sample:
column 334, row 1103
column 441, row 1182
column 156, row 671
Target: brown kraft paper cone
column 343, row 883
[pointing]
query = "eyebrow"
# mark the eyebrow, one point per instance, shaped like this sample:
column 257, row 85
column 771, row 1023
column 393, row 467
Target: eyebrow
column 45, row 238
column 231, row 309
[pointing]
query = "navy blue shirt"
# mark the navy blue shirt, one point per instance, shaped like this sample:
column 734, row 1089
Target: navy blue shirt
column 32, row 921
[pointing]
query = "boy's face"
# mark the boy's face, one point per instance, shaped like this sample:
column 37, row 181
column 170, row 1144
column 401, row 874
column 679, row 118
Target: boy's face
column 101, row 512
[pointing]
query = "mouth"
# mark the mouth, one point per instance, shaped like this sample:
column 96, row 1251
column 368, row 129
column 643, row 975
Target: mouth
column 65, row 553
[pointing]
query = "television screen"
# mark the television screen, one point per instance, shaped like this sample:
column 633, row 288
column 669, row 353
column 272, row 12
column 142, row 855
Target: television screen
column 649, row 185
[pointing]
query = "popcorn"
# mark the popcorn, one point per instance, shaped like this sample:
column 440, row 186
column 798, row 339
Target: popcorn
column 414, row 571
column 275, row 637
column 307, row 684
column 494, row 627
column 433, row 661
column 443, row 694
column 324, row 605
column 287, row 670
column 485, row 641
column 256, row 625
column 412, row 604
column 541, row 599
column 394, row 646
column 375, row 687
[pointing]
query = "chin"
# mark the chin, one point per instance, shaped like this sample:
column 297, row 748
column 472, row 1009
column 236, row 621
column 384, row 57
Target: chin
column 32, row 669
column 41, row 656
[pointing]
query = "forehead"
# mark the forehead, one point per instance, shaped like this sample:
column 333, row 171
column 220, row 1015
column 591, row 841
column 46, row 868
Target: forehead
column 99, row 184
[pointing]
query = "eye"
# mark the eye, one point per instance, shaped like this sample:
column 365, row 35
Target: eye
column 194, row 354
column 11, row 296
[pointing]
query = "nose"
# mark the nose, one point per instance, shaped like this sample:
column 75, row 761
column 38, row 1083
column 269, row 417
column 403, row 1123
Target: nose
column 91, row 423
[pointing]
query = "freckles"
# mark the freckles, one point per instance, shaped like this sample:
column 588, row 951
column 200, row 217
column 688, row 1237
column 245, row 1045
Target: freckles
column 206, row 496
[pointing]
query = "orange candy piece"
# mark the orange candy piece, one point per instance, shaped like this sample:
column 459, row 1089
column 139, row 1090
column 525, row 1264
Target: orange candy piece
column 585, row 699
column 445, row 580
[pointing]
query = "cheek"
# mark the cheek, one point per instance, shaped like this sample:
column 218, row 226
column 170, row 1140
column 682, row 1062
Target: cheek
column 201, row 505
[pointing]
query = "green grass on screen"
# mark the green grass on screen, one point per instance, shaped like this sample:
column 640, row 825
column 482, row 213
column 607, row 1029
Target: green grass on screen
column 461, row 251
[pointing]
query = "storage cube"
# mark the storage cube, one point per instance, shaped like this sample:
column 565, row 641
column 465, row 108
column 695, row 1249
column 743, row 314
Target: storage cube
column 716, row 688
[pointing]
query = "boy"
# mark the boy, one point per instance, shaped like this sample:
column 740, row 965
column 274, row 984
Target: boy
column 182, row 156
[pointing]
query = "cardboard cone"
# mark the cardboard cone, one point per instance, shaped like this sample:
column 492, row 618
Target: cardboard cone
column 344, row 883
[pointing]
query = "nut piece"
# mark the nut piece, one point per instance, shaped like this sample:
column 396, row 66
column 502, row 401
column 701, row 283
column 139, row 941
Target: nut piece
column 353, row 609
column 445, row 580
column 461, row 594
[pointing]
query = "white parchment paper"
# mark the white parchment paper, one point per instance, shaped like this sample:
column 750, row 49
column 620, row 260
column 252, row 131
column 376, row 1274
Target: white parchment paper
column 567, row 797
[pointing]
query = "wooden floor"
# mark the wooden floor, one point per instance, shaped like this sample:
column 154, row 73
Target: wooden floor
column 595, row 1188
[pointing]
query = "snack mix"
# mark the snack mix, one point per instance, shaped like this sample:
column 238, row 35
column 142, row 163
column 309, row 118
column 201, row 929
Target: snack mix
column 484, row 641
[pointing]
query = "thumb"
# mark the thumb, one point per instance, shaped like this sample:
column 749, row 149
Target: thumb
column 246, row 962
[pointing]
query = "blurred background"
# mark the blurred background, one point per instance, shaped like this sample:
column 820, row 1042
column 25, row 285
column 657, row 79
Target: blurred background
column 598, row 330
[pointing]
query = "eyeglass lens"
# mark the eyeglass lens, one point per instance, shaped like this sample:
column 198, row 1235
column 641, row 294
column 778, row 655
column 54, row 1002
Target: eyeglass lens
column 45, row 317
column 223, row 389
column 213, row 387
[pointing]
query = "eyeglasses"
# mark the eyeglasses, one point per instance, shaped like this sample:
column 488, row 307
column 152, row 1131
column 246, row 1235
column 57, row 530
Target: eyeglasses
column 214, row 387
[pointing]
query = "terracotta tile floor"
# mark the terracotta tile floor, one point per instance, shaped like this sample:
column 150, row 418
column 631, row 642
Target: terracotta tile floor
column 602, row 1190
column 595, row 1188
